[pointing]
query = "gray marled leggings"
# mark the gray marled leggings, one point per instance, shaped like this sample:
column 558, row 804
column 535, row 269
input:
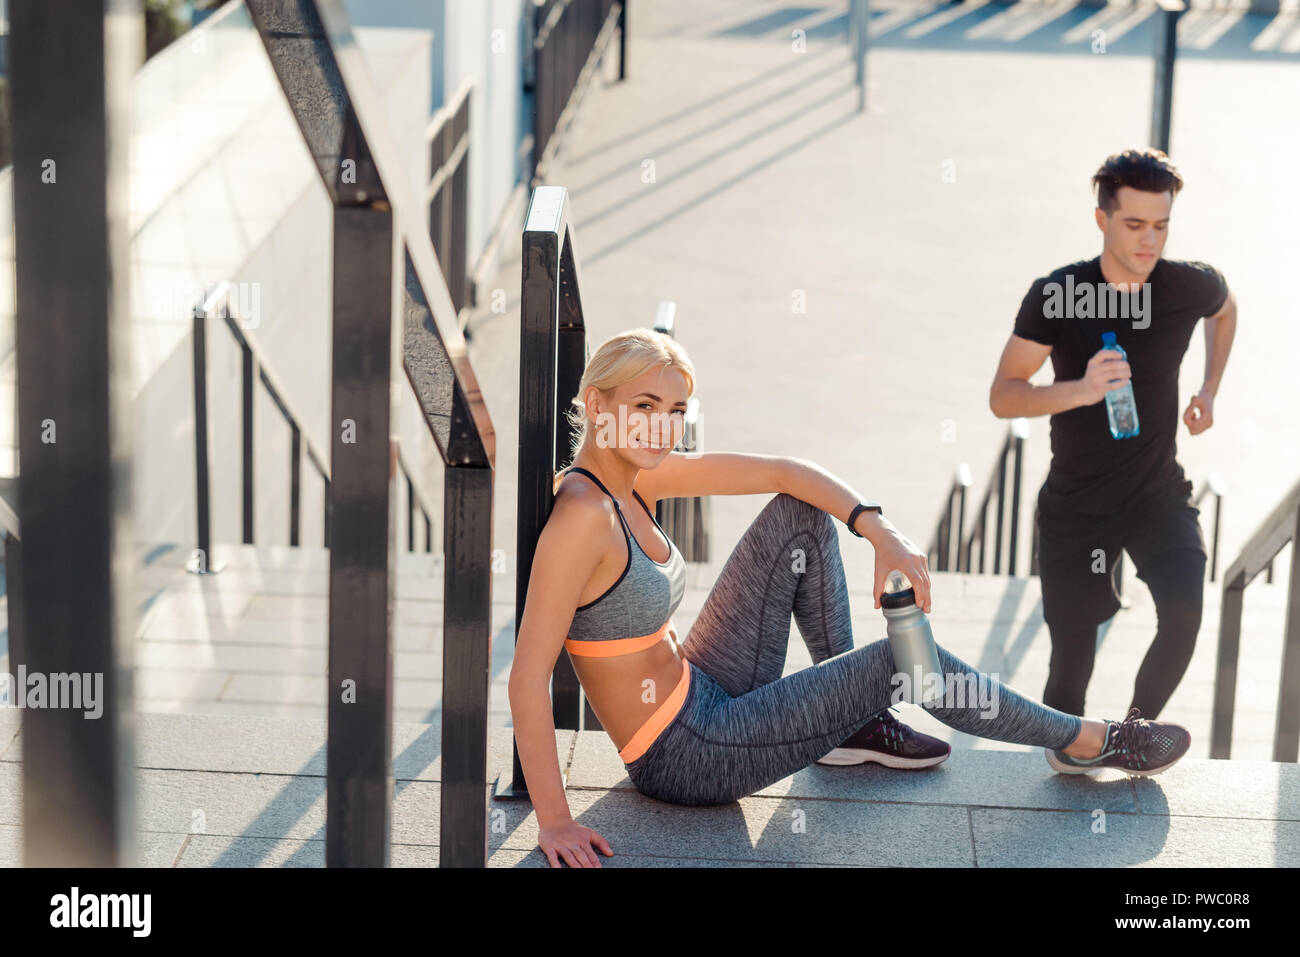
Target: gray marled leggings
column 743, row 726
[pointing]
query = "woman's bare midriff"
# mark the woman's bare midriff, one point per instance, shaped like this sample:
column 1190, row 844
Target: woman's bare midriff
column 617, row 689
column 616, row 686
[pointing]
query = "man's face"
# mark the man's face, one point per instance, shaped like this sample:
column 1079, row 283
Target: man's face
column 1136, row 231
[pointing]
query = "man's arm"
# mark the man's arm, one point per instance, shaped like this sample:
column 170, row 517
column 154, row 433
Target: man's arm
column 1219, row 331
column 1011, row 394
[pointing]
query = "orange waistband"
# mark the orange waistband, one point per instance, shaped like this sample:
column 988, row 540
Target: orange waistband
column 655, row 724
column 617, row 646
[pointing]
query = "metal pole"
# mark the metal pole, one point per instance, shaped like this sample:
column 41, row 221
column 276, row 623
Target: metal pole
column 622, row 40
column 1166, row 42
column 363, row 548
column 1214, row 555
column 466, row 665
column 859, row 41
column 201, row 467
column 1286, row 740
column 71, row 70
column 246, row 430
column 1002, row 495
column 1225, row 670
column 410, row 514
column 295, row 484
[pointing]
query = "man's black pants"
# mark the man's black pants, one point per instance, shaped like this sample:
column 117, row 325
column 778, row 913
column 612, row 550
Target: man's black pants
column 1076, row 559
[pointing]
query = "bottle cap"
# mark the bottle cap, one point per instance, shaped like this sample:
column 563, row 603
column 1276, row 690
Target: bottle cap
column 898, row 591
column 1108, row 338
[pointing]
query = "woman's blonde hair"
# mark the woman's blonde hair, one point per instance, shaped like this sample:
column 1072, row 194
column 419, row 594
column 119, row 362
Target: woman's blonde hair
column 621, row 359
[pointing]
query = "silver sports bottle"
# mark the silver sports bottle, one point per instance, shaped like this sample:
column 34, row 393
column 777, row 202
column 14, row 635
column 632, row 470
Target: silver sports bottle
column 911, row 642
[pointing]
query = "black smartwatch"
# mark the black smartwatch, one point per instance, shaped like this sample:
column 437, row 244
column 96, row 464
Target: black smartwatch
column 862, row 507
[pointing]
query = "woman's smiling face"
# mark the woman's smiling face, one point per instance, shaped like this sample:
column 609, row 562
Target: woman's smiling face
column 646, row 417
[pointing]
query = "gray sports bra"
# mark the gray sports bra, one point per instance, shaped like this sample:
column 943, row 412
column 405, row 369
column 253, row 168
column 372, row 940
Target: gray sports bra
column 641, row 602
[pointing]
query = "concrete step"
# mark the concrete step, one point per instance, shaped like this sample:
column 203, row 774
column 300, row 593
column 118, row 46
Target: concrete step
column 244, row 791
column 252, row 640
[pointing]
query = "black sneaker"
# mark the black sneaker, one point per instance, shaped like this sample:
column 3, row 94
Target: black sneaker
column 1134, row 745
column 886, row 740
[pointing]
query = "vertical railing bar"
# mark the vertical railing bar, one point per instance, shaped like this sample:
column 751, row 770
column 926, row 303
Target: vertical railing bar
column 961, row 525
column 363, row 553
column 466, row 665
column 1015, row 506
column 1001, row 496
column 71, row 67
column 201, row 465
column 329, row 514
column 246, row 431
column 1214, row 554
column 1286, row 735
column 1225, row 673
column 295, row 484
column 410, row 512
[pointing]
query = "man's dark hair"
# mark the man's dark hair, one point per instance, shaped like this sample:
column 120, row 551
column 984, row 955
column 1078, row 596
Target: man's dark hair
column 1145, row 169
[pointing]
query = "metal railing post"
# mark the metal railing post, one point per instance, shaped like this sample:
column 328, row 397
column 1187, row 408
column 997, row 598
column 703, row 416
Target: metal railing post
column 295, row 485
column 1286, row 734
column 1213, row 485
column 1225, row 668
column 362, row 565
column 1001, row 496
column 622, row 40
column 860, row 41
column 71, row 71
column 393, row 313
column 1018, row 445
column 202, row 468
column 249, row 393
column 1280, row 528
column 569, row 38
column 1166, row 47
column 466, row 665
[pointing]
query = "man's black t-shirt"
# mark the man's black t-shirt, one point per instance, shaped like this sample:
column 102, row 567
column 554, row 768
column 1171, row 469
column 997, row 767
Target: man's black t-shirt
column 1094, row 475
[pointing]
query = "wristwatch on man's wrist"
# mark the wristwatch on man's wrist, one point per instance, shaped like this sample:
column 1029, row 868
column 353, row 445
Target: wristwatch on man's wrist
column 862, row 507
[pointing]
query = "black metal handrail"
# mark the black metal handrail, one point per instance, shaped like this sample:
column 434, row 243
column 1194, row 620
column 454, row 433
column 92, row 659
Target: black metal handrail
column 415, row 501
column 219, row 304
column 954, row 510
column 447, row 137
column 940, row 551
column 569, row 39
column 1214, row 485
column 858, row 24
column 390, row 303
column 73, row 333
column 553, row 352
column 1280, row 528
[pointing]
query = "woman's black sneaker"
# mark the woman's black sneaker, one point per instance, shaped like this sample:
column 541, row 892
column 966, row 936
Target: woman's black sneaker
column 886, row 740
column 1134, row 745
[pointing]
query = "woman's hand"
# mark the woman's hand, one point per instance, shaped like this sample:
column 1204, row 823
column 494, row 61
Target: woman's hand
column 895, row 551
column 573, row 842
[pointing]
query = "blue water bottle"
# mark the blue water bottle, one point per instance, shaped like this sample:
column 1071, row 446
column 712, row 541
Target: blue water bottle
column 1121, row 409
